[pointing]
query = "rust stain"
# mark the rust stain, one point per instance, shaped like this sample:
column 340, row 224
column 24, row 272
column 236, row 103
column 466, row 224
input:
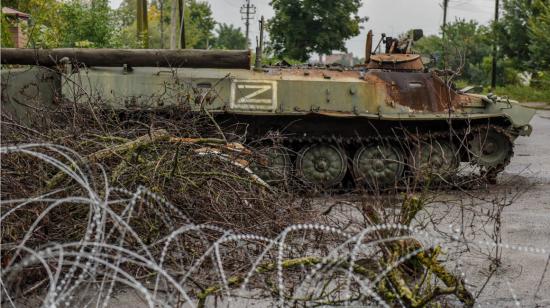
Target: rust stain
column 422, row 92
column 396, row 62
column 316, row 73
column 415, row 90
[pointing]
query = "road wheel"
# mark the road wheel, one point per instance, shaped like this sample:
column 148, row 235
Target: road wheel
column 322, row 164
column 435, row 160
column 378, row 166
column 272, row 165
column 491, row 150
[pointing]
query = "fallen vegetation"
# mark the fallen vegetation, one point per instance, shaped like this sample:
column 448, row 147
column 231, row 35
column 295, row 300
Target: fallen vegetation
column 95, row 202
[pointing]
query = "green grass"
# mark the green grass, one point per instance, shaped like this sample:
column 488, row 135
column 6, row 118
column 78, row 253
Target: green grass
column 516, row 92
column 524, row 94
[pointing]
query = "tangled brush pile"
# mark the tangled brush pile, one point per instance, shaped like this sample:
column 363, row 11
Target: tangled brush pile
column 94, row 204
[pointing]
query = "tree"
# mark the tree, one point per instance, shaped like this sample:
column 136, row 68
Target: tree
column 126, row 12
column 513, row 31
column 465, row 48
column 301, row 27
column 539, row 29
column 68, row 24
column 47, row 28
column 229, row 37
column 6, row 35
column 199, row 24
column 87, row 24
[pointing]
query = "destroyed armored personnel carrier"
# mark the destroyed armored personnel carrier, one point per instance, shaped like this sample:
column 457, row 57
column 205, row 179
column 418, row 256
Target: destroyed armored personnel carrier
column 377, row 123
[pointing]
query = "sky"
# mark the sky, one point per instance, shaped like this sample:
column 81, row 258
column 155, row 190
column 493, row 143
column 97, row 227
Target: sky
column 391, row 17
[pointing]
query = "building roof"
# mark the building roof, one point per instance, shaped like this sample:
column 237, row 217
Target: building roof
column 11, row 12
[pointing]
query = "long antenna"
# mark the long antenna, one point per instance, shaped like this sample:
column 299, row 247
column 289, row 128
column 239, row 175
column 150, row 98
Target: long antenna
column 247, row 14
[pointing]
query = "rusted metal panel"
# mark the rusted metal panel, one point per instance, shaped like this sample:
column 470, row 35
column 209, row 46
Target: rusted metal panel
column 396, row 62
column 421, row 92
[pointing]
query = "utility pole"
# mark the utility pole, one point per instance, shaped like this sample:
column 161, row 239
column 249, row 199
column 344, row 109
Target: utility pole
column 495, row 48
column 260, row 45
column 142, row 26
column 247, row 14
column 444, row 31
column 445, row 7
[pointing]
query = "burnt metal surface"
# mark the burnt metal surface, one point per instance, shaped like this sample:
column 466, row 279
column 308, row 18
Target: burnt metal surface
column 422, row 92
column 396, row 62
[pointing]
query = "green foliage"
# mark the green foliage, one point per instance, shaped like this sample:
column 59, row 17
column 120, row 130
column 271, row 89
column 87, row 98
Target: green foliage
column 46, row 29
column 513, row 41
column 229, row 37
column 539, row 34
column 525, row 94
column 6, row 36
column 68, row 24
column 87, row 24
column 302, row 27
column 507, row 74
column 465, row 49
column 523, row 33
column 522, row 37
column 199, row 24
column 126, row 12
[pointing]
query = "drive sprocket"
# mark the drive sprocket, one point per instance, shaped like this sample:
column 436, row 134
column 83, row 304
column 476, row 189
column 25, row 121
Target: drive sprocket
column 491, row 149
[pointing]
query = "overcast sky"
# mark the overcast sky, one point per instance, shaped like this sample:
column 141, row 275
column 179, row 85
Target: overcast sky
column 392, row 17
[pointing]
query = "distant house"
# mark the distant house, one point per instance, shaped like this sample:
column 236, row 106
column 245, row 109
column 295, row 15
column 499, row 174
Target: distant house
column 18, row 20
column 345, row 59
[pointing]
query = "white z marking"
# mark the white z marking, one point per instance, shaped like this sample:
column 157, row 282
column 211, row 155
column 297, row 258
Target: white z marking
column 250, row 97
column 245, row 95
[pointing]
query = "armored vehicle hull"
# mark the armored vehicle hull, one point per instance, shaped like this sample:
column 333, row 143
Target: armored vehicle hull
column 374, row 124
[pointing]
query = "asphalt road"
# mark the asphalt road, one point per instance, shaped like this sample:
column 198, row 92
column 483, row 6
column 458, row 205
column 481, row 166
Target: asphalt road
column 532, row 154
column 525, row 222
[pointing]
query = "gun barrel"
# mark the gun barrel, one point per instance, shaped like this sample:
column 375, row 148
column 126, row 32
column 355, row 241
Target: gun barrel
column 239, row 59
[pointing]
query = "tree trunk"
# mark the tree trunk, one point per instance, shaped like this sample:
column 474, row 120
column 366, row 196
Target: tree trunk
column 161, row 23
column 174, row 22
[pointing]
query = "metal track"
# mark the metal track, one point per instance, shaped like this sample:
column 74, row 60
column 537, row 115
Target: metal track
column 464, row 135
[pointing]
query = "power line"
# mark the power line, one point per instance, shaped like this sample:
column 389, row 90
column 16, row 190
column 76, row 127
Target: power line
column 247, row 14
column 444, row 30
